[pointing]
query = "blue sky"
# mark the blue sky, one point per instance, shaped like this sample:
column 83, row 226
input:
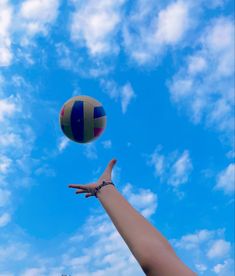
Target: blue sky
column 163, row 71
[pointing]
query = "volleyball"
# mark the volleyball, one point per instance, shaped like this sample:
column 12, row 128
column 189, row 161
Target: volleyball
column 82, row 119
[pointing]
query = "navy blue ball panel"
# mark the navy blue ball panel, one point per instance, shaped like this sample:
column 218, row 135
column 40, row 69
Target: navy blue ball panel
column 99, row 112
column 77, row 121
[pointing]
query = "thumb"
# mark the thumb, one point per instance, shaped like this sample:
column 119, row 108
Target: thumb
column 110, row 166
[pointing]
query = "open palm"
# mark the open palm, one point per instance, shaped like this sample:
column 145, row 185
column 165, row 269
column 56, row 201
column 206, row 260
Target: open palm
column 88, row 188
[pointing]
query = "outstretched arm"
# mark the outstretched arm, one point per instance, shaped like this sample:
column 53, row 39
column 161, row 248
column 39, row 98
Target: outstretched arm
column 153, row 252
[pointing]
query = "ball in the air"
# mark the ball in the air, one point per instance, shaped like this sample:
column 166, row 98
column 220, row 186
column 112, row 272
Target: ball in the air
column 82, row 119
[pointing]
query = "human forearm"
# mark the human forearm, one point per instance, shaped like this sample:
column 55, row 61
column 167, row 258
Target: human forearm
column 150, row 248
column 137, row 232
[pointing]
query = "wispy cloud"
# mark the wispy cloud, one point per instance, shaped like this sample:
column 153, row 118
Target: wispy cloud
column 127, row 94
column 145, row 200
column 16, row 162
column 207, row 252
column 219, row 249
column 155, row 29
column 90, row 151
column 173, row 168
column 7, row 107
column 94, row 25
column 17, row 251
column 226, row 268
column 5, row 163
column 35, row 17
column 5, row 196
column 204, row 85
column 5, row 33
column 107, row 144
column 226, row 180
column 63, row 144
column 22, row 23
column 123, row 93
column 4, row 219
column 34, row 272
column 64, row 56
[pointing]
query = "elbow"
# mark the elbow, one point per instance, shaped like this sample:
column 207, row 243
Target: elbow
column 150, row 266
column 162, row 260
column 146, row 270
column 166, row 264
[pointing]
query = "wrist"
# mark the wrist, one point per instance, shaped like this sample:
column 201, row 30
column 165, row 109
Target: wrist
column 104, row 188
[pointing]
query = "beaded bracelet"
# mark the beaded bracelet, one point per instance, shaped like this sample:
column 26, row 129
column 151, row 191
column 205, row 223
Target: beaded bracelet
column 97, row 189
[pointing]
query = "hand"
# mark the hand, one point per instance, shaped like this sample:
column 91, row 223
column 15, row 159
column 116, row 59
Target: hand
column 88, row 188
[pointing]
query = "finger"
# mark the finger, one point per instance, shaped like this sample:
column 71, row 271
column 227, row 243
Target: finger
column 80, row 192
column 88, row 195
column 110, row 166
column 76, row 186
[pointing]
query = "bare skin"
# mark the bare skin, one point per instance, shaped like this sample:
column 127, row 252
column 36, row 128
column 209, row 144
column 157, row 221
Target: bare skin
column 152, row 251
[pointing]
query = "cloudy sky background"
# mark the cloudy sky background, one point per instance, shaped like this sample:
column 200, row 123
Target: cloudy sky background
column 164, row 73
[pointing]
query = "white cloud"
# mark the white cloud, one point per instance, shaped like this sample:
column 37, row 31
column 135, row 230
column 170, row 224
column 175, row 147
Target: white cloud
column 16, row 252
column 45, row 170
column 172, row 23
column 5, row 33
column 2, row 83
column 94, row 25
column 197, row 64
column 75, row 262
column 21, row 22
column 10, row 139
column 34, row 272
column 63, row 144
column 231, row 154
column 5, row 164
column 215, row 3
column 124, row 93
column 144, row 200
column 15, row 124
column 155, row 30
column 224, row 269
column 193, row 241
column 180, row 170
column 127, row 94
column 6, row 273
column 64, row 54
column 219, row 37
column 204, row 85
column 4, row 220
column 201, row 268
column 4, row 197
column 226, row 180
column 107, row 144
column 90, row 151
column 7, row 108
column 206, row 252
column 174, row 168
column 219, row 248
column 16, row 143
column 35, row 16
column 70, row 58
